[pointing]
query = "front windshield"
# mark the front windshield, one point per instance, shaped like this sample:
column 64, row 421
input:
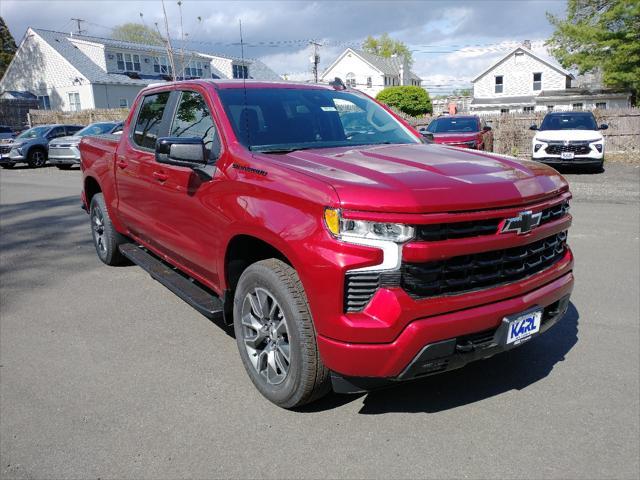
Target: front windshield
column 35, row 132
column 569, row 121
column 286, row 119
column 95, row 129
column 453, row 125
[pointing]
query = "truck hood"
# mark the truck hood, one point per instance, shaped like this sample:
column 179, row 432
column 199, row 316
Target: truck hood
column 561, row 135
column 422, row 178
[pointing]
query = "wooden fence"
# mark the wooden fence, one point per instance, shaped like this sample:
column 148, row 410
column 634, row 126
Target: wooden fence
column 513, row 137
column 511, row 131
column 14, row 113
column 83, row 117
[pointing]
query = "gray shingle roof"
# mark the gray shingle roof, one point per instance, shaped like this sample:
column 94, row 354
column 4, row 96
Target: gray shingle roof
column 388, row 66
column 62, row 43
column 503, row 100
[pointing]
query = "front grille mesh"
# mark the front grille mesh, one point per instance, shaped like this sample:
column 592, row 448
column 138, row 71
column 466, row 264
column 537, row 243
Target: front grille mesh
column 450, row 231
column 481, row 270
column 5, row 149
column 578, row 148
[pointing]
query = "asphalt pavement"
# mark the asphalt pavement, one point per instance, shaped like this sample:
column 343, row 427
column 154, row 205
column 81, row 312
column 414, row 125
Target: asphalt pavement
column 106, row 374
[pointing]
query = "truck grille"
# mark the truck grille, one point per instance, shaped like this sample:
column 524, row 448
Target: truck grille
column 449, row 231
column 578, row 148
column 481, row 270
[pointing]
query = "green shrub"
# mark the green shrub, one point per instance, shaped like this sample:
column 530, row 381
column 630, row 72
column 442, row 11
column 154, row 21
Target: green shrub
column 409, row 99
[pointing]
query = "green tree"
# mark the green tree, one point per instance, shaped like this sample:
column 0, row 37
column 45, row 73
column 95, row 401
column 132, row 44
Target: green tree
column 7, row 47
column 462, row 92
column 409, row 99
column 137, row 33
column 600, row 34
column 385, row 46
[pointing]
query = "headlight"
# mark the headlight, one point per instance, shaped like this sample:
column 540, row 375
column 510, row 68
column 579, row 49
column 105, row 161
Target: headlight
column 346, row 229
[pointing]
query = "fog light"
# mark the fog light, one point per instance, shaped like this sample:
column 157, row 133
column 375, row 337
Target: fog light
column 537, row 147
column 598, row 147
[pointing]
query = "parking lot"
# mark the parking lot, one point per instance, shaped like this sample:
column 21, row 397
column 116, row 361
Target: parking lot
column 105, row 373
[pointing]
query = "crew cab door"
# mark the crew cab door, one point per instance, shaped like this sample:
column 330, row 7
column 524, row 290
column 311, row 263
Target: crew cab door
column 186, row 208
column 135, row 162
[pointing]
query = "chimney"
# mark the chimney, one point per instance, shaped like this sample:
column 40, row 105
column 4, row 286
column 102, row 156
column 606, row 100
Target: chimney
column 527, row 44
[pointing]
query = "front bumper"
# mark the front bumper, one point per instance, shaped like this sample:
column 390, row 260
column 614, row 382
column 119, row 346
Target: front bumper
column 64, row 155
column 572, row 161
column 393, row 360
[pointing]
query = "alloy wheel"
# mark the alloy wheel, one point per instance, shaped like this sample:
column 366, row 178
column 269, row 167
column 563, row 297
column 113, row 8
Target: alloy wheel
column 266, row 335
column 97, row 224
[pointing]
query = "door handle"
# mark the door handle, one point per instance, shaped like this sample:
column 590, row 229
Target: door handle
column 161, row 177
column 122, row 164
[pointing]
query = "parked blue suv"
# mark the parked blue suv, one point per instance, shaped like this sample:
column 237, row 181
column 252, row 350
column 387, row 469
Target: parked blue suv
column 31, row 146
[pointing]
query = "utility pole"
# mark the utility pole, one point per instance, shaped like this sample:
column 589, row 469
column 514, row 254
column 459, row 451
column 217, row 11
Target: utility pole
column 315, row 59
column 79, row 20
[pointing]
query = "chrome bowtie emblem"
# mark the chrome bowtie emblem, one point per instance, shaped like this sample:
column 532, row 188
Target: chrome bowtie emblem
column 523, row 223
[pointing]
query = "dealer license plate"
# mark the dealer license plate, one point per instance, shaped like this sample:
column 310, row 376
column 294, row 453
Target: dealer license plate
column 521, row 327
column 566, row 155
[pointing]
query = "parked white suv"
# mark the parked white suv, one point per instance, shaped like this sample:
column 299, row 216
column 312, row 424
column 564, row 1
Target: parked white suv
column 569, row 138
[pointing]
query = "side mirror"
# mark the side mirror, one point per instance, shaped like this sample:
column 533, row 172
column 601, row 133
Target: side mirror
column 533, row 127
column 486, row 128
column 182, row 152
column 603, row 126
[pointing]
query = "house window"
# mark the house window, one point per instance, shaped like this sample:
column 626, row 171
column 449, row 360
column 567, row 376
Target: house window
column 44, row 102
column 124, row 103
column 528, row 109
column 385, row 81
column 577, row 106
column 537, row 81
column 499, row 84
column 351, row 80
column 193, row 69
column 369, row 82
column 240, row 71
column 161, row 65
column 128, row 62
column 504, row 110
column 74, row 101
column 549, row 108
column 599, row 105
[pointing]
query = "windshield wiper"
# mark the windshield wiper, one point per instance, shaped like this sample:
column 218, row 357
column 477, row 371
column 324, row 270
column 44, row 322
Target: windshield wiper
column 267, row 149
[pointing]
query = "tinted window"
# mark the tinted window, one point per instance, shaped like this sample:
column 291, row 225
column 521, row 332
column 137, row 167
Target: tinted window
column 149, row 119
column 193, row 119
column 569, row 121
column 56, row 132
column 453, row 125
column 73, row 129
column 5, row 130
column 271, row 119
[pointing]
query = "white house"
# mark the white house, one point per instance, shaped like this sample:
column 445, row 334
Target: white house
column 370, row 73
column 73, row 72
column 524, row 81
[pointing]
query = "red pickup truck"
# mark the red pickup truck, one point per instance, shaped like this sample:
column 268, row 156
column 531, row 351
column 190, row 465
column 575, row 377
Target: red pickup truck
column 345, row 251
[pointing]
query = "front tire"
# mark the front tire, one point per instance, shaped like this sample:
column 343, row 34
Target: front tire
column 37, row 158
column 105, row 237
column 276, row 337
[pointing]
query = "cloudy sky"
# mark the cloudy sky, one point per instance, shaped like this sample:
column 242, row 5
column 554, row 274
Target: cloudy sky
column 451, row 41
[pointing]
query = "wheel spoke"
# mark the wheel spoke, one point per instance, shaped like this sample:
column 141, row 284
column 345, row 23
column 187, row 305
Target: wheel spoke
column 263, row 302
column 284, row 351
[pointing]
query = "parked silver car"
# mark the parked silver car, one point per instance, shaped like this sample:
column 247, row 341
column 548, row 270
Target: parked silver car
column 64, row 153
column 31, row 145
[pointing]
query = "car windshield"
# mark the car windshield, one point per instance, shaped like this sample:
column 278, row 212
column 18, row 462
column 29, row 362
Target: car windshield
column 96, row 129
column 453, row 125
column 569, row 121
column 288, row 119
column 35, row 132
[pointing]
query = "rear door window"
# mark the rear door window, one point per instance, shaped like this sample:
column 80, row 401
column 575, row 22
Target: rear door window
column 149, row 119
column 71, row 129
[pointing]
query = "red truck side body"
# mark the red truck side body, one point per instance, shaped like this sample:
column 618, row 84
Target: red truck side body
column 279, row 200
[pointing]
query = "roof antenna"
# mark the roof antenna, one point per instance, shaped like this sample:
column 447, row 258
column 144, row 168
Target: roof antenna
column 245, row 112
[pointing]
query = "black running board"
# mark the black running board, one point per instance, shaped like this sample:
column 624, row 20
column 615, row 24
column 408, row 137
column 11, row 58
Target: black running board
column 204, row 301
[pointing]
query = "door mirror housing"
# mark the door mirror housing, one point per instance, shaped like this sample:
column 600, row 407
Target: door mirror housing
column 533, row 127
column 182, row 152
column 603, row 126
